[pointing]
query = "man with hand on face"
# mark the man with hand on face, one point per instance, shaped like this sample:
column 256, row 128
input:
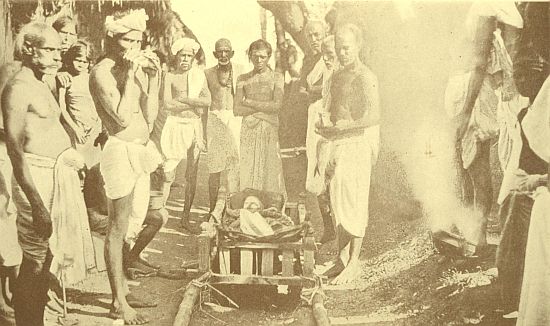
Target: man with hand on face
column 186, row 97
column 125, row 89
column 223, row 128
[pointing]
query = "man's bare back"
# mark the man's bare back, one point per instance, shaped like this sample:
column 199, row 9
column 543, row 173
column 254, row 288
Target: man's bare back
column 44, row 134
column 131, row 126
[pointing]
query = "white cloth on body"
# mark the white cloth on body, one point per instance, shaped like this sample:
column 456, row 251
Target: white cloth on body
column 179, row 133
column 126, row 168
column 354, row 158
column 535, row 291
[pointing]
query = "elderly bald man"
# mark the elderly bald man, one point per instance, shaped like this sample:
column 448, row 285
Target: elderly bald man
column 223, row 127
column 186, row 98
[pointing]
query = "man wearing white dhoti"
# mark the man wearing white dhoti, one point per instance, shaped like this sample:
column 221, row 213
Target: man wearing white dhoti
column 186, row 98
column 223, row 127
column 45, row 171
column 535, row 289
column 354, row 137
column 125, row 89
column 314, row 84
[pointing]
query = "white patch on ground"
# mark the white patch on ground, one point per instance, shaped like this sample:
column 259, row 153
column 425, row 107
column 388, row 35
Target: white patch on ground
column 463, row 280
column 382, row 315
column 95, row 283
column 389, row 264
column 155, row 251
column 172, row 231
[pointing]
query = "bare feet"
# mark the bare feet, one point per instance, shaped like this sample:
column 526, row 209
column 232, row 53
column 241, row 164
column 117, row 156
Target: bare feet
column 136, row 269
column 349, row 274
column 187, row 226
column 337, row 268
column 6, row 311
column 129, row 315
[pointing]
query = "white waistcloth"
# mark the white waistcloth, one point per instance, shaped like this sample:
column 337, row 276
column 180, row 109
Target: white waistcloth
column 509, row 145
column 71, row 241
column 122, row 163
column 178, row 135
column 10, row 252
column 535, row 291
column 316, row 149
column 316, row 73
column 195, row 82
column 140, row 204
column 536, row 124
column 353, row 158
column 315, row 183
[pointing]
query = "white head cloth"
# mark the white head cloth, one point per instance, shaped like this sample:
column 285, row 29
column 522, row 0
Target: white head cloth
column 185, row 43
column 136, row 20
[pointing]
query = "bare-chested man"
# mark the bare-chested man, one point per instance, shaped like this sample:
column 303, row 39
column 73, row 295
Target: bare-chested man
column 36, row 142
column 186, row 98
column 355, row 112
column 125, row 89
column 312, row 85
column 223, row 128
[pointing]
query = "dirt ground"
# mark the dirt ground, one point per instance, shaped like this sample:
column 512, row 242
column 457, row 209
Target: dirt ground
column 403, row 280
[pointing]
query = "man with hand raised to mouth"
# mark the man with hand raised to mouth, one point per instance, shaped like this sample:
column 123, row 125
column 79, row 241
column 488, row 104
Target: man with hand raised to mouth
column 125, row 89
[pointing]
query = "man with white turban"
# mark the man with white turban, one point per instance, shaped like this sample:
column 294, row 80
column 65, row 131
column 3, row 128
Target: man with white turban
column 125, row 88
column 186, row 98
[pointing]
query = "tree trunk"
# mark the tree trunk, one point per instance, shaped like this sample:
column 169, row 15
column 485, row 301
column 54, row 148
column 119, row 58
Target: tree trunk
column 263, row 23
column 293, row 18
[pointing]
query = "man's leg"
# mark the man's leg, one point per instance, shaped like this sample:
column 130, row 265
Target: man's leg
column 119, row 213
column 352, row 269
column 342, row 259
column 190, row 186
column 480, row 175
column 169, row 177
column 153, row 223
column 324, row 206
column 31, row 292
column 213, row 189
column 464, row 185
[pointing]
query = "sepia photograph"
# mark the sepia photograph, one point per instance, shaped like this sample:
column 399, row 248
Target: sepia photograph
column 274, row 162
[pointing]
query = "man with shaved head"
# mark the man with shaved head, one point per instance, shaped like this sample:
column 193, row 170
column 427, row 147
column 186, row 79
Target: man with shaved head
column 354, row 136
column 223, row 128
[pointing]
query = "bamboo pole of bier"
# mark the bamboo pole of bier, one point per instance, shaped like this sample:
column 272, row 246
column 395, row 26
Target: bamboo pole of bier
column 190, row 296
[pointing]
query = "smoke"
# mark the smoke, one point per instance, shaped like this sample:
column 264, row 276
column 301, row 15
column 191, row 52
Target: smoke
column 431, row 168
column 411, row 55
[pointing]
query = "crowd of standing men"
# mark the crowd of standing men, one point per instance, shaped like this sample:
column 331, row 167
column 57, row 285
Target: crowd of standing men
column 122, row 126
